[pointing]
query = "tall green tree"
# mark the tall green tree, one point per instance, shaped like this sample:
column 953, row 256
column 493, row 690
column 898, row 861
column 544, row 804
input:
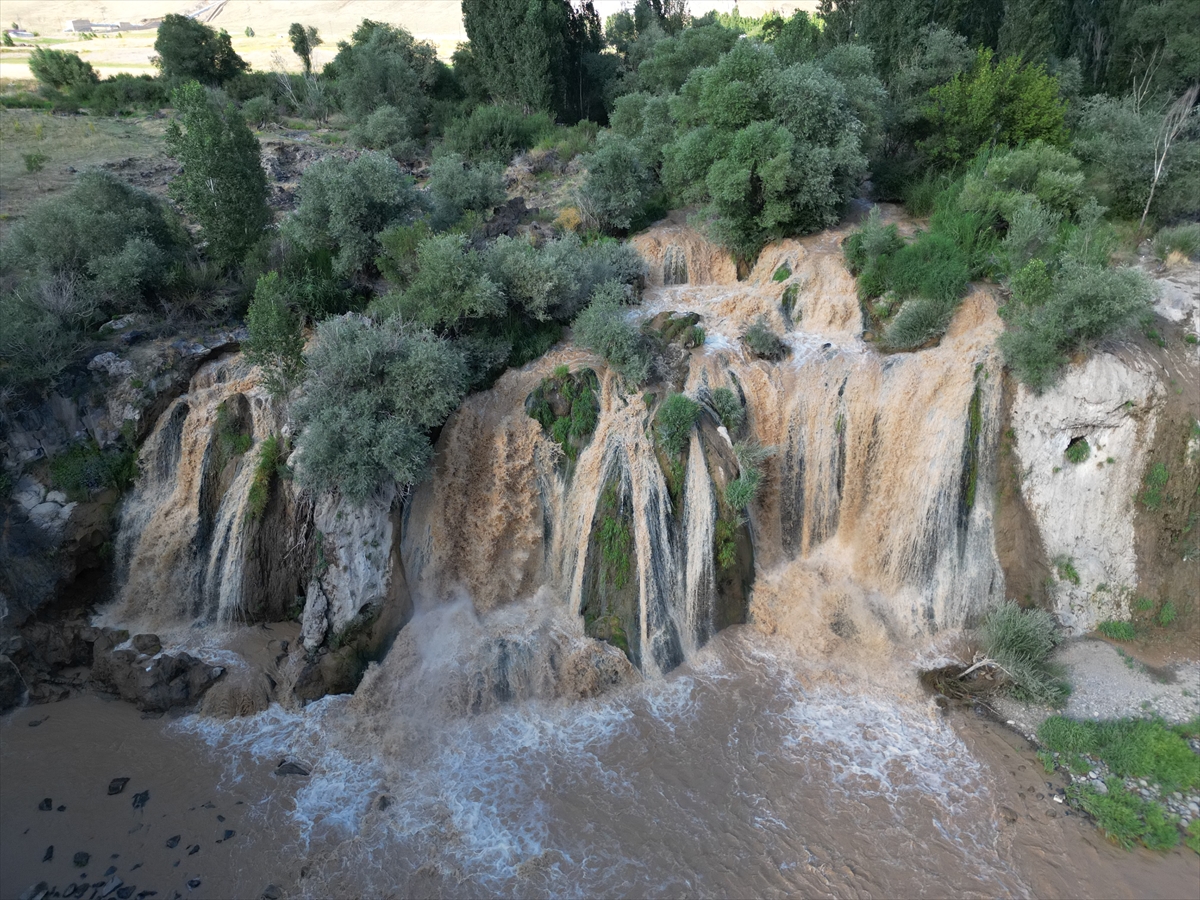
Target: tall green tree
column 276, row 343
column 304, row 41
column 60, row 69
column 186, row 48
column 999, row 102
column 535, row 53
column 222, row 185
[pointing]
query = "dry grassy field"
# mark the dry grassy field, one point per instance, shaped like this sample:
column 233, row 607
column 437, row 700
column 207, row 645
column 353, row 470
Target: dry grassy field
column 436, row 21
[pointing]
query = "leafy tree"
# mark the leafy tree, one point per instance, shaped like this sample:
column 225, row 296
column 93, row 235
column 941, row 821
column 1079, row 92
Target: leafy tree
column 773, row 150
column 304, row 41
column 371, row 396
column 222, row 185
column 618, row 185
column 675, row 58
column 1117, row 137
column 188, row 49
column 344, row 205
column 276, row 343
column 997, row 103
column 646, row 120
column 61, row 69
column 384, row 65
column 387, row 129
column 533, row 53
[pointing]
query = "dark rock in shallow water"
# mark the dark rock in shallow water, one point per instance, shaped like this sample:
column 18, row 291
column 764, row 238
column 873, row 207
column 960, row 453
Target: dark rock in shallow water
column 193, row 850
column 46, row 805
column 141, row 799
column 220, row 818
column 38, row 890
column 81, row 859
column 229, row 832
column 49, row 854
column 117, row 785
column 166, row 682
column 110, row 887
column 111, row 870
column 291, row 768
column 147, row 643
column 173, row 841
column 62, row 809
column 193, row 883
column 271, row 892
column 126, row 892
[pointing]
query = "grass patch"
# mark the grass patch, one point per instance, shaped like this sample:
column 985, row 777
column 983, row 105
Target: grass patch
column 1132, row 748
column 1065, row 567
column 783, row 273
column 1125, row 818
column 1155, row 481
column 675, row 419
column 728, row 408
column 725, row 544
column 1167, row 615
column 1021, row 641
column 1078, row 451
column 1183, row 239
column 1117, row 631
column 566, row 406
column 270, row 464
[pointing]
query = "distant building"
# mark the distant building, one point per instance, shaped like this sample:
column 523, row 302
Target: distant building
column 78, row 26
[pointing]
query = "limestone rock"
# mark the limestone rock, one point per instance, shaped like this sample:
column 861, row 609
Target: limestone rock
column 1085, row 511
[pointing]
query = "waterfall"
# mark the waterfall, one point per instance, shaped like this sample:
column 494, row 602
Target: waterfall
column 183, row 531
column 883, row 470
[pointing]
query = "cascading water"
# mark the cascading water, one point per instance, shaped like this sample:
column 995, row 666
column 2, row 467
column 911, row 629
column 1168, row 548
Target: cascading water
column 183, row 536
column 881, row 475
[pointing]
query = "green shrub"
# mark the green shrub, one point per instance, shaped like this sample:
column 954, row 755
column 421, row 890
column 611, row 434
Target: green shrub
column 763, row 342
column 496, row 133
column 60, row 69
column 674, row 422
column 1155, row 481
column 1183, row 239
column 933, row 267
column 103, row 248
column 1078, row 451
column 389, row 130
column 85, row 469
column 618, row 184
column 270, row 463
column 1021, row 641
column 450, row 286
column 370, row 397
column 1132, row 748
column 383, row 65
column 725, row 544
column 275, row 342
column 740, row 492
column 728, row 408
column 1083, row 304
column 1167, row 615
column 457, row 187
column 345, row 205
column 1192, row 838
column 187, row 49
column 603, row 329
column 1117, row 631
column 258, row 111
column 872, row 240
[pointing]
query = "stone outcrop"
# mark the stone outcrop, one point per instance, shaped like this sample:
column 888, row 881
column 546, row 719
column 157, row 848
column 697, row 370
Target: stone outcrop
column 1085, row 511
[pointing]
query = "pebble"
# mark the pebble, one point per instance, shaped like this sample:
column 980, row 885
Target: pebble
column 126, row 892
column 193, row 850
column 81, row 859
column 111, row 870
column 173, row 841
column 193, row 883
column 49, row 854
column 46, row 805
column 117, row 785
column 140, row 800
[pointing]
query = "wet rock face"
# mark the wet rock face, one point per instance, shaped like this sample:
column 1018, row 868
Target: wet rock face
column 12, row 686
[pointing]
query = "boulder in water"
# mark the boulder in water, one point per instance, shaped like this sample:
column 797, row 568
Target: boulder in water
column 291, row 768
column 147, row 643
column 117, row 785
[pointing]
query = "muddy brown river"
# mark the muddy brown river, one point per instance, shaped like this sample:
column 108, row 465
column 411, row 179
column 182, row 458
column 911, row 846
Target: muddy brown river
column 739, row 774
